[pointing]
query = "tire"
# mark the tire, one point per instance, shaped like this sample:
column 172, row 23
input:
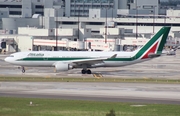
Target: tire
column 88, row 71
column 83, row 71
column 23, row 71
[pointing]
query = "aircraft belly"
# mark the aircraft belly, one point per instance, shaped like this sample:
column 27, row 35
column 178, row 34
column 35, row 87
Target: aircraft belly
column 35, row 63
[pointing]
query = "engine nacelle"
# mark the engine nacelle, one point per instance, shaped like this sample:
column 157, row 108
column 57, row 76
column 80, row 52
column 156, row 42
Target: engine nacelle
column 61, row 66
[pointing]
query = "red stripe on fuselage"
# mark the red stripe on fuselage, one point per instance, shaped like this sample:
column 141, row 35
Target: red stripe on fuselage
column 152, row 50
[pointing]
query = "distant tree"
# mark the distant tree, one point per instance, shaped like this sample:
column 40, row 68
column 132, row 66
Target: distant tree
column 111, row 113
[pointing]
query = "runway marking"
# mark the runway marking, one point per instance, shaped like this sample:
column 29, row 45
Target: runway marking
column 55, row 70
column 146, row 78
column 96, row 75
column 47, row 76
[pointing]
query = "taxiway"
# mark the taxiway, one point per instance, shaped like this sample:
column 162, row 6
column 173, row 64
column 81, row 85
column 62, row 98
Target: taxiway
column 114, row 92
column 162, row 67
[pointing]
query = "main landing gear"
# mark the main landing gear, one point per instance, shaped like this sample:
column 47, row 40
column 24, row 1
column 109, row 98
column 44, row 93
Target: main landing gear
column 84, row 71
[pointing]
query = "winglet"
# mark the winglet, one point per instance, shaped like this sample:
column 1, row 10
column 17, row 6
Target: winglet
column 114, row 56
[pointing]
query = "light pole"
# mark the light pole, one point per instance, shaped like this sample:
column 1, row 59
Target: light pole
column 136, row 20
column 106, row 27
column 136, row 25
column 42, row 14
column 56, row 30
column 112, row 13
column 78, row 20
column 153, row 18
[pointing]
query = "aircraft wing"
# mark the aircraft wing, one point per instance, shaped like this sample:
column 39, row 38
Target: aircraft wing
column 92, row 61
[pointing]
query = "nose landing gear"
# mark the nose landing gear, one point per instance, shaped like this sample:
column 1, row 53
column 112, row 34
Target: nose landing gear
column 23, row 69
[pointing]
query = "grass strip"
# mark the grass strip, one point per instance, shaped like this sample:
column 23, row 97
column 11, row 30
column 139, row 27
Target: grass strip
column 78, row 79
column 58, row 107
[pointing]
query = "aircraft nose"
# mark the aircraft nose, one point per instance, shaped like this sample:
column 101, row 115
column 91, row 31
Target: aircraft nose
column 6, row 59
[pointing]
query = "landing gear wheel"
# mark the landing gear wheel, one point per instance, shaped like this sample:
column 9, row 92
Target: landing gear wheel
column 83, row 71
column 23, row 70
column 88, row 71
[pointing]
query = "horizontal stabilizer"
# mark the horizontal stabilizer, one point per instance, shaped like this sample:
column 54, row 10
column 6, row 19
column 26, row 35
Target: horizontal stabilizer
column 152, row 55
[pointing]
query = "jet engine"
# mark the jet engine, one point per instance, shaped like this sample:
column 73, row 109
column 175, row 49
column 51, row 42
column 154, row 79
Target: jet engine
column 61, row 66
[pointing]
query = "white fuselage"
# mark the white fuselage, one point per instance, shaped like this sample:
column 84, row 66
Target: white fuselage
column 49, row 58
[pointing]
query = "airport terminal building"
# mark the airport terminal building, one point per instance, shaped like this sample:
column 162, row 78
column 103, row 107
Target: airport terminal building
column 108, row 25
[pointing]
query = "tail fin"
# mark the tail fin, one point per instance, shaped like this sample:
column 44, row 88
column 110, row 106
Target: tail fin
column 155, row 44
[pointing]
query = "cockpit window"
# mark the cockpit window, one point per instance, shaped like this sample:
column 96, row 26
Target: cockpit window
column 11, row 56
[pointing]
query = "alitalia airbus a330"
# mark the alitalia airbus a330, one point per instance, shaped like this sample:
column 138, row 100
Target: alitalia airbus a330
column 67, row 60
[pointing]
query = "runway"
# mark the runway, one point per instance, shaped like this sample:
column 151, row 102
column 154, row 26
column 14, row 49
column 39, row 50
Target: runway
column 114, row 92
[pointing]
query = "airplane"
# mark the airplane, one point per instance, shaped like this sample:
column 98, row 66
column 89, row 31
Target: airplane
column 67, row 60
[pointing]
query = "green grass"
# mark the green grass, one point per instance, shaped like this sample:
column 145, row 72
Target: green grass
column 56, row 107
column 77, row 79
